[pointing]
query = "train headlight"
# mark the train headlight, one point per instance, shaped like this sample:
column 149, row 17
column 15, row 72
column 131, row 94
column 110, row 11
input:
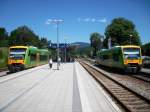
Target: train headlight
column 10, row 61
column 140, row 61
column 125, row 61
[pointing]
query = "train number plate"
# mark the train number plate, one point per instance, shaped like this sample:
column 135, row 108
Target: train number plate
column 130, row 61
column 133, row 61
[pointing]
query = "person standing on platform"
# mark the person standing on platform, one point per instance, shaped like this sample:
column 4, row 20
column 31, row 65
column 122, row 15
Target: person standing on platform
column 59, row 60
column 50, row 63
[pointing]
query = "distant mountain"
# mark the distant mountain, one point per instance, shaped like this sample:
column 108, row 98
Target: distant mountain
column 81, row 44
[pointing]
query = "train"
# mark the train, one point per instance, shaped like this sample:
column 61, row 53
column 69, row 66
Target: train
column 23, row 57
column 127, row 58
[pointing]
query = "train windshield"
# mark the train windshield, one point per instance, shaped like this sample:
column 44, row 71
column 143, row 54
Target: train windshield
column 17, row 53
column 131, row 53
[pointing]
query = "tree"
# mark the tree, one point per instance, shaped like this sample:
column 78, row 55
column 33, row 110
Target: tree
column 84, row 51
column 44, row 43
column 72, row 52
column 146, row 49
column 3, row 37
column 122, row 32
column 23, row 36
column 95, row 42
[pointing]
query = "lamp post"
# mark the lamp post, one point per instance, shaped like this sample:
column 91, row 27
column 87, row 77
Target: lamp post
column 130, row 38
column 109, row 43
column 102, row 40
column 57, row 22
column 65, row 50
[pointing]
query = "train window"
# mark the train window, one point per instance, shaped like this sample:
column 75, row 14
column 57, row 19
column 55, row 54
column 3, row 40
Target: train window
column 17, row 53
column 17, row 56
column 101, row 57
column 105, row 57
column 115, row 57
column 33, row 57
column 43, row 57
column 29, row 53
column 131, row 53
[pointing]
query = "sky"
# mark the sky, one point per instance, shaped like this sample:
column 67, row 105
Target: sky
column 80, row 17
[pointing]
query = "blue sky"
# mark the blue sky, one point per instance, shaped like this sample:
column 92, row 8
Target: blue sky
column 81, row 17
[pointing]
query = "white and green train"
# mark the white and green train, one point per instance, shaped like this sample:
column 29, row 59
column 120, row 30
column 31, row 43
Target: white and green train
column 22, row 57
column 127, row 58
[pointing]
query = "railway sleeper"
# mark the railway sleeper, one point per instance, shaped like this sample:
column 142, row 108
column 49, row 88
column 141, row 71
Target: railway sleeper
column 133, row 100
column 125, row 96
column 136, row 108
column 113, row 86
column 118, row 90
column 141, row 108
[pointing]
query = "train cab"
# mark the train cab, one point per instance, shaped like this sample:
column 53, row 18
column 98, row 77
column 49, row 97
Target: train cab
column 16, row 58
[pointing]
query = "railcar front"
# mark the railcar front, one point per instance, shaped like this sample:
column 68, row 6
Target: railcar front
column 132, row 58
column 16, row 58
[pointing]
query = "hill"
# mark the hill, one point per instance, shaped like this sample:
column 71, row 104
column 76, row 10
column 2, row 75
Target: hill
column 81, row 44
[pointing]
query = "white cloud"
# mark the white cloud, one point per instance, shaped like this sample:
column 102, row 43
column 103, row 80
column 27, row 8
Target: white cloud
column 48, row 21
column 87, row 19
column 102, row 20
column 93, row 20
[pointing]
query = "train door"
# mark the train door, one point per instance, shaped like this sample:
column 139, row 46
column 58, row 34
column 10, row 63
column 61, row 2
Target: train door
column 37, row 59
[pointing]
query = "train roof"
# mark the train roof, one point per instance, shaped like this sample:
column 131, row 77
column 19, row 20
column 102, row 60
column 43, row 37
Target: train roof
column 127, row 46
column 119, row 47
column 33, row 49
column 19, row 47
column 44, row 51
column 23, row 47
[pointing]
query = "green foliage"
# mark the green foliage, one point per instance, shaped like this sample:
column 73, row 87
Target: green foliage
column 3, row 57
column 4, row 43
column 3, row 38
column 120, row 31
column 3, row 34
column 84, row 52
column 146, row 49
column 72, row 51
column 95, row 40
column 44, row 43
column 23, row 36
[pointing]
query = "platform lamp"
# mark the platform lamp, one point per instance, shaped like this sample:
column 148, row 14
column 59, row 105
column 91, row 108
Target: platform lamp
column 57, row 22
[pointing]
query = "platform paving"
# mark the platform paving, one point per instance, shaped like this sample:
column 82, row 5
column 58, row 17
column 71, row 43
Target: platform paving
column 70, row 89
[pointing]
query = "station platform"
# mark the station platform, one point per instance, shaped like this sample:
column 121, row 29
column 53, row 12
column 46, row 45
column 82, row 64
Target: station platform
column 41, row 89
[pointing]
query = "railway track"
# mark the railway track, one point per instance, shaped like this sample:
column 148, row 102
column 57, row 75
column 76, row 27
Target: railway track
column 3, row 69
column 128, row 99
column 143, row 77
column 139, row 83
